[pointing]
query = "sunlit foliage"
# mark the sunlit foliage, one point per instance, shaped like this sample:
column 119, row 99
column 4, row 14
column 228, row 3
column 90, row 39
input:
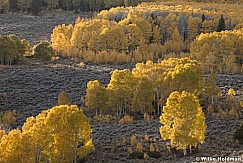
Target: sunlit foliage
column 60, row 134
column 183, row 121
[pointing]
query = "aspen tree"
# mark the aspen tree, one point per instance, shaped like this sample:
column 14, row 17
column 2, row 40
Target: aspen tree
column 212, row 90
column 183, row 121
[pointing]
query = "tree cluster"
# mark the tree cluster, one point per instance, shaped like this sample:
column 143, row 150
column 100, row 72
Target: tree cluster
column 145, row 88
column 60, row 134
column 137, row 34
column 12, row 49
column 219, row 51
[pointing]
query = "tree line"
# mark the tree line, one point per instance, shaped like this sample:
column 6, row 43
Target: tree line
column 142, row 35
column 145, row 88
column 60, row 134
column 35, row 6
column 14, row 50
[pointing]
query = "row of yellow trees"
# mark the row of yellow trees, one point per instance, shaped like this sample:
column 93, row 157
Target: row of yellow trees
column 173, row 84
column 146, row 88
column 60, row 134
column 123, row 35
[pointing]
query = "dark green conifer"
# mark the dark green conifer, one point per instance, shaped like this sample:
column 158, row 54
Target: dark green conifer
column 221, row 25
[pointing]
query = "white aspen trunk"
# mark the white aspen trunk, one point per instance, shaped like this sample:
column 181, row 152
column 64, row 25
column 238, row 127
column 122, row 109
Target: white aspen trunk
column 212, row 100
column 75, row 159
column 184, row 152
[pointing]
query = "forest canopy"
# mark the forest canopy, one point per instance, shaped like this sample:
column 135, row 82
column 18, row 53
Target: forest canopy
column 152, row 31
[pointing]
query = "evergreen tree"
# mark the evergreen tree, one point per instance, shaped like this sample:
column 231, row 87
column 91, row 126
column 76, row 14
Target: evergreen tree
column 221, row 25
column 203, row 17
column 43, row 51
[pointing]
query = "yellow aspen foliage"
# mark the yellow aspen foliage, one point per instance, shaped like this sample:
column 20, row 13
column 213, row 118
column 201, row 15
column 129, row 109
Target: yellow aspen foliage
column 231, row 95
column 151, row 148
column 147, row 117
column 133, row 140
column 193, row 27
column 16, row 147
column 126, row 120
column 217, row 50
column 60, row 38
column 96, row 96
column 123, row 141
column 182, row 75
column 143, row 96
column 241, row 103
column 129, row 150
column 66, row 128
column 138, row 56
column 146, row 138
column 223, row 114
column 121, row 90
column 145, row 156
column 139, row 147
column 157, row 37
column 213, row 92
column 183, row 121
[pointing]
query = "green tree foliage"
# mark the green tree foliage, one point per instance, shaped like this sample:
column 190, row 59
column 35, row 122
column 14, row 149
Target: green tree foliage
column 239, row 134
column 43, row 51
column 20, row 47
column 183, row 121
column 8, row 50
column 60, row 134
column 12, row 49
